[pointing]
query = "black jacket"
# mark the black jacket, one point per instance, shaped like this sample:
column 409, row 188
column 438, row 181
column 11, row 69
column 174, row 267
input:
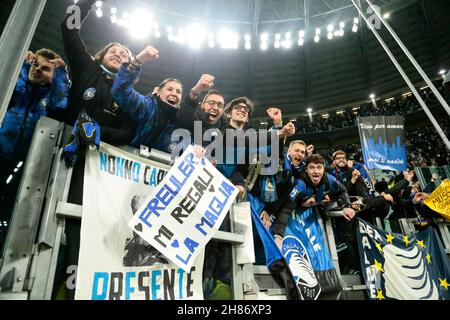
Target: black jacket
column 190, row 111
column 91, row 90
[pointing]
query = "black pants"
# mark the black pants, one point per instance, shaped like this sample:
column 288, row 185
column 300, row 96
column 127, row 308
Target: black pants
column 347, row 234
column 70, row 251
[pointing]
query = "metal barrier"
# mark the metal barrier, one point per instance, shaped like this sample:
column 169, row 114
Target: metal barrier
column 31, row 249
column 30, row 254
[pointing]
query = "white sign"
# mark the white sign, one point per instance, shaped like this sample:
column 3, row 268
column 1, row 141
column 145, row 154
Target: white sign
column 186, row 209
column 114, row 262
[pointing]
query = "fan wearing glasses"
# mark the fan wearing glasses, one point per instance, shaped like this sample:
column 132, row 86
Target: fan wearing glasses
column 209, row 111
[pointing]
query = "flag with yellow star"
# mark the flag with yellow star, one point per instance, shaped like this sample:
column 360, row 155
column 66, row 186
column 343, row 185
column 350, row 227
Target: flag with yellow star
column 403, row 267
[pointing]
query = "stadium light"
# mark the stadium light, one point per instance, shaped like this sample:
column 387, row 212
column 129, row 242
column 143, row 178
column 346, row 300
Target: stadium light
column 211, row 43
column 309, row 110
column 372, row 96
column 228, row 39
column 442, row 72
column 181, row 36
column 195, row 35
column 386, row 15
column 287, row 43
column 140, row 24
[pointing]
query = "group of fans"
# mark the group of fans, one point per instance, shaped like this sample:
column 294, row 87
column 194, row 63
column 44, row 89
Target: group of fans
column 99, row 101
column 400, row 106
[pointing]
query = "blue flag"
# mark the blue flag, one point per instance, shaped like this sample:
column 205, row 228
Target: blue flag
column 400, row 267
column 383, row 142
column 304, row 250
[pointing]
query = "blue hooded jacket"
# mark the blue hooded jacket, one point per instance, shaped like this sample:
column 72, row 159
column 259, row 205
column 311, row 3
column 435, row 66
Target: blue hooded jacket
column 156, row 119
column 29, row 102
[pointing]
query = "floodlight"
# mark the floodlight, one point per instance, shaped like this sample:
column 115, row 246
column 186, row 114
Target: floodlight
column 287, row 44
column 140, row 24
column 195, row 34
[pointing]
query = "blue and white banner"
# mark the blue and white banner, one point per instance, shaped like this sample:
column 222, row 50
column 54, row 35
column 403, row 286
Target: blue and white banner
column 185, row 210
column 400, row 267
column 308, row 257
column 383, row 142
column 115, row 263
column 305, row 251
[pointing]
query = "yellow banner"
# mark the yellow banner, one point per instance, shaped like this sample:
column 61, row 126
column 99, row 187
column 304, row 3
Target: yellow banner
column 439, row 200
